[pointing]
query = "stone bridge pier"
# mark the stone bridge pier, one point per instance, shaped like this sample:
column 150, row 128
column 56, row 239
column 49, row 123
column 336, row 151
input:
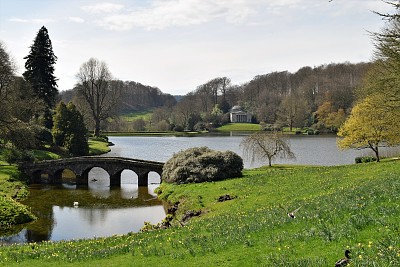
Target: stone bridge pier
column 81, row 166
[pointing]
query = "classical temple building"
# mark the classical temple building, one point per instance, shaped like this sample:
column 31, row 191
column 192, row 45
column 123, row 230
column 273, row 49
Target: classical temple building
column 237, row 114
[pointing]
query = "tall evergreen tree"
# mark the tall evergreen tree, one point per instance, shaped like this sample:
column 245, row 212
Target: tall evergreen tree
column 40, row 72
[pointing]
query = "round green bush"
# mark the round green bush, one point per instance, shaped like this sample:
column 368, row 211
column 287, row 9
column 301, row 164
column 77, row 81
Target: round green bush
column 201, row 164
column 12, row 213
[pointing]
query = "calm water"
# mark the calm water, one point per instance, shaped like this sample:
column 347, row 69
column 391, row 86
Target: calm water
column 313, row 150
column 102, row 211
column 105, row 211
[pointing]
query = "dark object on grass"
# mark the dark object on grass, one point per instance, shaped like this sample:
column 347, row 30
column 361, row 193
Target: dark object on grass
column 225, row 198
column 345, row 260
column 173, row 209
column 189, row 214
column 292, row 214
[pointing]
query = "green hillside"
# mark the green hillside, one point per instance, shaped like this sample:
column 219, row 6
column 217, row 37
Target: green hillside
column 352, row 207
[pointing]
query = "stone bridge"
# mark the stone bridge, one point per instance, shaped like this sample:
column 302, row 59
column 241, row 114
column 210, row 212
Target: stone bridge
column 81, row 167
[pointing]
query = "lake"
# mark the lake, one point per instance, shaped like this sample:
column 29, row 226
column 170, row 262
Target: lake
column 310, row 150
column 105, row 211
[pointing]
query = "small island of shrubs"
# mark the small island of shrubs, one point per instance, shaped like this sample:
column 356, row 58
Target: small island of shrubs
column 201, row 164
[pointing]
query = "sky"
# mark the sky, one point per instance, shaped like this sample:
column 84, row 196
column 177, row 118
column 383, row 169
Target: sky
column 177, row 45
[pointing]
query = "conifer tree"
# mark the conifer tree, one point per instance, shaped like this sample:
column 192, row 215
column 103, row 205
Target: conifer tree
column 69, row 129
column 40, row 72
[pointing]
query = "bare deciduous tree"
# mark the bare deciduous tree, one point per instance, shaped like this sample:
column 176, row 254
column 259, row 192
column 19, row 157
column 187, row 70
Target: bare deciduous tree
column 95, row 85
column 261, row 145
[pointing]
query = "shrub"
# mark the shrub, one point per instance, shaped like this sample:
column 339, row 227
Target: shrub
column 13, row 213
column 268, row 127
column 77, row 145
column 101, row 138
column 201, row 164
column 368, row 159
column 15, row 155
column 200, row 126
column 365, row 159
column 43, row 135
column 178, row 128
column 22, row 137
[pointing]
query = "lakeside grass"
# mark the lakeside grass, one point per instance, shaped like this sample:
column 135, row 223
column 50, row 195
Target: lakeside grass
column 114, row 133
column 98, row 147
column 132, row 116
column 352, row 206
column 239, row 127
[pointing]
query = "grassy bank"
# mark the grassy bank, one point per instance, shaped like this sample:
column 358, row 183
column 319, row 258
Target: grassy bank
column 12, row 190
column 230, row 127
column 354, row 206
column 98, row 147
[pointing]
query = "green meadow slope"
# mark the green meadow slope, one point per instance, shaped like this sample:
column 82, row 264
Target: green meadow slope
column 352, row 207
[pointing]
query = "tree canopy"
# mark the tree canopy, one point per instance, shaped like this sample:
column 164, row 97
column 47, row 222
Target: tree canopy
column 40, row 68
column 18, row 105
column 39, row 73
column 374, row 121
column 101, row 94
column 370, row 125
column 69, row 129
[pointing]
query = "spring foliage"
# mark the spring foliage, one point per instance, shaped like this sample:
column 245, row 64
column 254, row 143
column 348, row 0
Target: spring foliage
column 201, row 164
column 371, row 124
column 13, row 213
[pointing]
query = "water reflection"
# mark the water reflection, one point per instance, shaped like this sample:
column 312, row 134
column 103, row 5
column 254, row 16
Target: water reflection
column 102, row 210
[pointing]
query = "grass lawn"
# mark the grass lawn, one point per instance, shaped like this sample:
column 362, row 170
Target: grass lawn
column 45, row 155
column 352, row 207
column 145, row 115
column 239, row 127
column 98, row 147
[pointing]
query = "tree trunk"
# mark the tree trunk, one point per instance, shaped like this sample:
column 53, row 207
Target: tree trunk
column 375, row 149
column 377, row 154
column 97, row 128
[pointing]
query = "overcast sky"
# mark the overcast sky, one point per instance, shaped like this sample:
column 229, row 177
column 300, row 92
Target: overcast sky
column 177, row 45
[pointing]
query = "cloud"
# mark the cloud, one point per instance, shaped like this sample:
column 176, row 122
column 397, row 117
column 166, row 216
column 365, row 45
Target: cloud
column 36, row 21
column 76, row 19
column 162, row 14
column 102, row 8
column 42, row 21
column 19, row 20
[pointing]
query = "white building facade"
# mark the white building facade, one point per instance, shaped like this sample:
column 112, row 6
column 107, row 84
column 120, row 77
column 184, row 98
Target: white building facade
column 237, row 114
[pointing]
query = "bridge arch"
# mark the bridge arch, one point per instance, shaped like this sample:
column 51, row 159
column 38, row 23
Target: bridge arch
column 64, row 174
column 42, row 177
column 129, row 176
column 154, row 177
column 81, row 166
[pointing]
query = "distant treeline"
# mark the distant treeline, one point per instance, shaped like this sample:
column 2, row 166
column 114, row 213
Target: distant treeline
column 319, row 97
column 315, row 97
column 134, row 96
